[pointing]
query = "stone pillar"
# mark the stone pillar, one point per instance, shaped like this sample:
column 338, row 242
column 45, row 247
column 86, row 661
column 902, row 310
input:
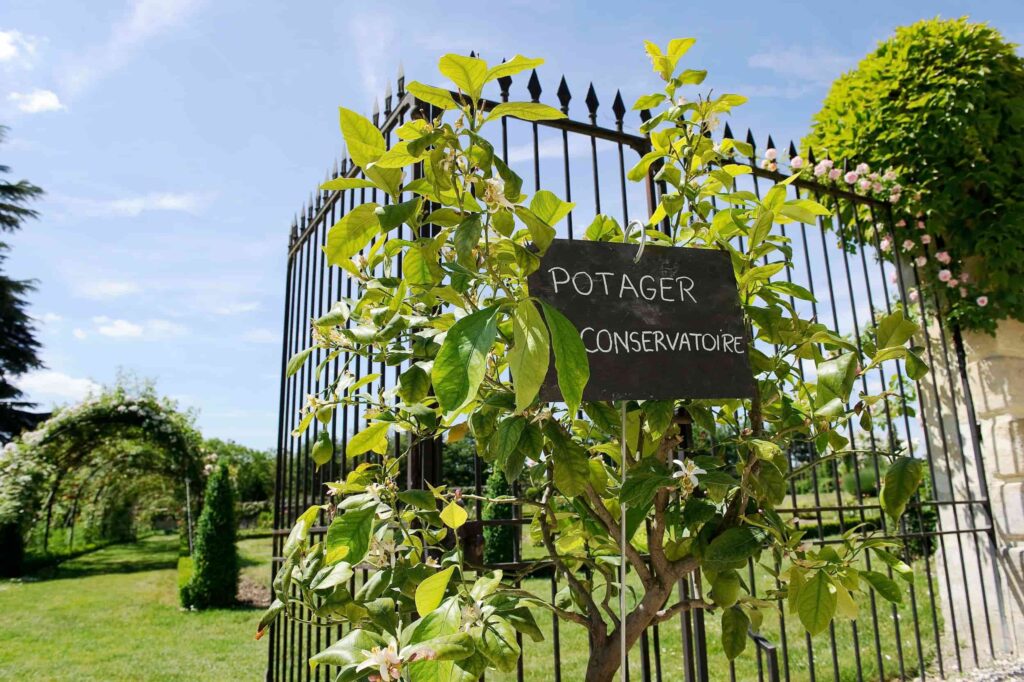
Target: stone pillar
column 995, row 366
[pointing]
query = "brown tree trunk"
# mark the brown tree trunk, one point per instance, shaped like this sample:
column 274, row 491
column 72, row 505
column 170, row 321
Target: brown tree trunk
column 605, row 657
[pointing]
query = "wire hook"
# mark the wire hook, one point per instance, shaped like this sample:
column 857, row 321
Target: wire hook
column 643, row 237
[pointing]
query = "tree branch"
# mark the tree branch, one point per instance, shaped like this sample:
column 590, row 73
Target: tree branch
column 611, row 525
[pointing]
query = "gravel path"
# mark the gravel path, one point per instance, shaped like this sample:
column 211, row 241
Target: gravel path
column 1001, row 671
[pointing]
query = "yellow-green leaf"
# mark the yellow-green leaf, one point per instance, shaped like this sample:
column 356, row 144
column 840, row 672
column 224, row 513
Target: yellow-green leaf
column 439, row 97
column 530, row 353
column 350, row 234
column 468, row 73
column 373, row 438
column 512, row 67
column 364, row 141
column 453, row 515
column 528, row 111
column 430, row 592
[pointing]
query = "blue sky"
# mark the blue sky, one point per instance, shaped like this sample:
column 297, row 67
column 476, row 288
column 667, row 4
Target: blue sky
column 176, row 138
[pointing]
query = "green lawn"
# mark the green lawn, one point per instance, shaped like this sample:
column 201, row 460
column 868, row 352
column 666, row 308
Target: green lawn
column 113, row 615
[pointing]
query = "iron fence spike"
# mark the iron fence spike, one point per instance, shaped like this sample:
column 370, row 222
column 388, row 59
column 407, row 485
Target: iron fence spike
column 592, row 102
column 750, row 138
column 771, row 143
column 792, row 149
column 810, row 156
column 645, row 115
column 533, row 86
column 727, row 131
column 618, row 108
column 564, row 95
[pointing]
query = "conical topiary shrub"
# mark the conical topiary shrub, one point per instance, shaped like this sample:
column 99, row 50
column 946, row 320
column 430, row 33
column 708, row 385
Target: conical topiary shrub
column 214, row 579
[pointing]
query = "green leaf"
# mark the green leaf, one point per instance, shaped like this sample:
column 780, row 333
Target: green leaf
column 331, row 576
column 917, row 368
column 835, row 381
column 462, row 361
column 541, row 233
column 338, row 184
column 296, row 361
column 816, row 603
column 468, row 73
column 732, row 548
column 467, row 238
column 901, row 481
column 269, row 616
column 453, row 515
column 648, row 101
column 350, row 234
column 498, row 644
column 364, row 141
column 512, row 67
column 803, row 210
column 643, row 482
column 348, row 650
column 506, row 438
column 430, row 592
column 348, row 536
column 571, row 468
column 527, row 111
column 413, row 385
column 530, row 353
column 453, row 647
column 420, row 267
column 894, row 330
column 549, row 208
column 421, row 499
column 393, row 215
column 734, row 631
column 898, row 566
column 571, row 364
column 439, row 97
column 373, row 438
column 300, row 531
column 889, row 590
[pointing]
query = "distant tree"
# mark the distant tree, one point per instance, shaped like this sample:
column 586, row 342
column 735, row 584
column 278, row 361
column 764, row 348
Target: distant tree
column 498, row 539
column 214, row 580
column 18, row 344
column 458, row 464
column 252, row 470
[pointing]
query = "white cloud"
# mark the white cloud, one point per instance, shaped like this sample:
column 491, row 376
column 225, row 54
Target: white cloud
column 79, row 334
column 36, row 102
column 17, row 49
column 261, row 336
column 150, row 330
column 146, row 20
column 131, row 207
column 106, row 289
column 816, row 65
column 49, row 318
column 52, row 385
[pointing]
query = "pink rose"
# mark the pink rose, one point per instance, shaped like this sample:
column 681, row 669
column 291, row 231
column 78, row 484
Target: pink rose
column 893, row 278
column 945, row 275
column 876, row 187
column 926, row 239
column 820, row 169
column 982, row 301
column 864, row 184
column 890, row 175
column 885, row 244
column 953, row 283
column 834, row 174
column 908, row 245
column 943, row 257
column 921, row 261
column 965, row 277
column 765, row 163
column 913, row 295
column 901, row 223
column 771, row 154
column 920, row 224
column 796, row 163
column 851, row 177
column 894, row 197
column 863, row 169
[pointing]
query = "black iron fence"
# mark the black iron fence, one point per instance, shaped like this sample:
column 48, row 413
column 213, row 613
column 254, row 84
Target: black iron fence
column 951, row 617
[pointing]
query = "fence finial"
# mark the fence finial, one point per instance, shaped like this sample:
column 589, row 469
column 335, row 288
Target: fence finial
column 533, row 86
column 592, row 104
column 401, row 80
column 792, row 149
column 727, row 131
column 750, row 139
column 771, row 143
column 376, row 111
column 619, row 109
column 504, row 83
column 810, row 156
column 387, row 98
column 564, row 95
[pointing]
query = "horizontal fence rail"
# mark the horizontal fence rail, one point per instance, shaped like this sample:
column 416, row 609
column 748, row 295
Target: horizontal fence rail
column 950, row 618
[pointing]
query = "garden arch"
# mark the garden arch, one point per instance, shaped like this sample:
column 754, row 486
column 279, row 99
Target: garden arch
column 101, row 454
column 952, row 618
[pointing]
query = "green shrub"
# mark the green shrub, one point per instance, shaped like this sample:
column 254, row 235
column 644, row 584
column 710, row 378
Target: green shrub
column 215, row 562
column 942, row 104
column 498, row 540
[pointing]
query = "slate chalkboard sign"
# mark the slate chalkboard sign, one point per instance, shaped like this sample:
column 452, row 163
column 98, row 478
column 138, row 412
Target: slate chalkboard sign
column 669, row 326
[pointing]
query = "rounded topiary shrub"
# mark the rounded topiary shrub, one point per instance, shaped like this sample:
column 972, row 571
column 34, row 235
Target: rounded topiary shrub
column 941, row 103
column 215, row 562
column 498, row 540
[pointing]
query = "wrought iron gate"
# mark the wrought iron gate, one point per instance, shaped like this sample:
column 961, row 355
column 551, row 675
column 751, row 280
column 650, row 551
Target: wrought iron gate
column 951, row 619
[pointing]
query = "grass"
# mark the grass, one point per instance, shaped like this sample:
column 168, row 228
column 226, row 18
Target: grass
column 113, row 614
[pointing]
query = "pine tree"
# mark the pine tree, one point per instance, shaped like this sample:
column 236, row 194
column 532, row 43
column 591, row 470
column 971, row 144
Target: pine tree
column 18, row 344
column 214, row 580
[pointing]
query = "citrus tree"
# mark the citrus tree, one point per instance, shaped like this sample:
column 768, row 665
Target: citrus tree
column 476, row 347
